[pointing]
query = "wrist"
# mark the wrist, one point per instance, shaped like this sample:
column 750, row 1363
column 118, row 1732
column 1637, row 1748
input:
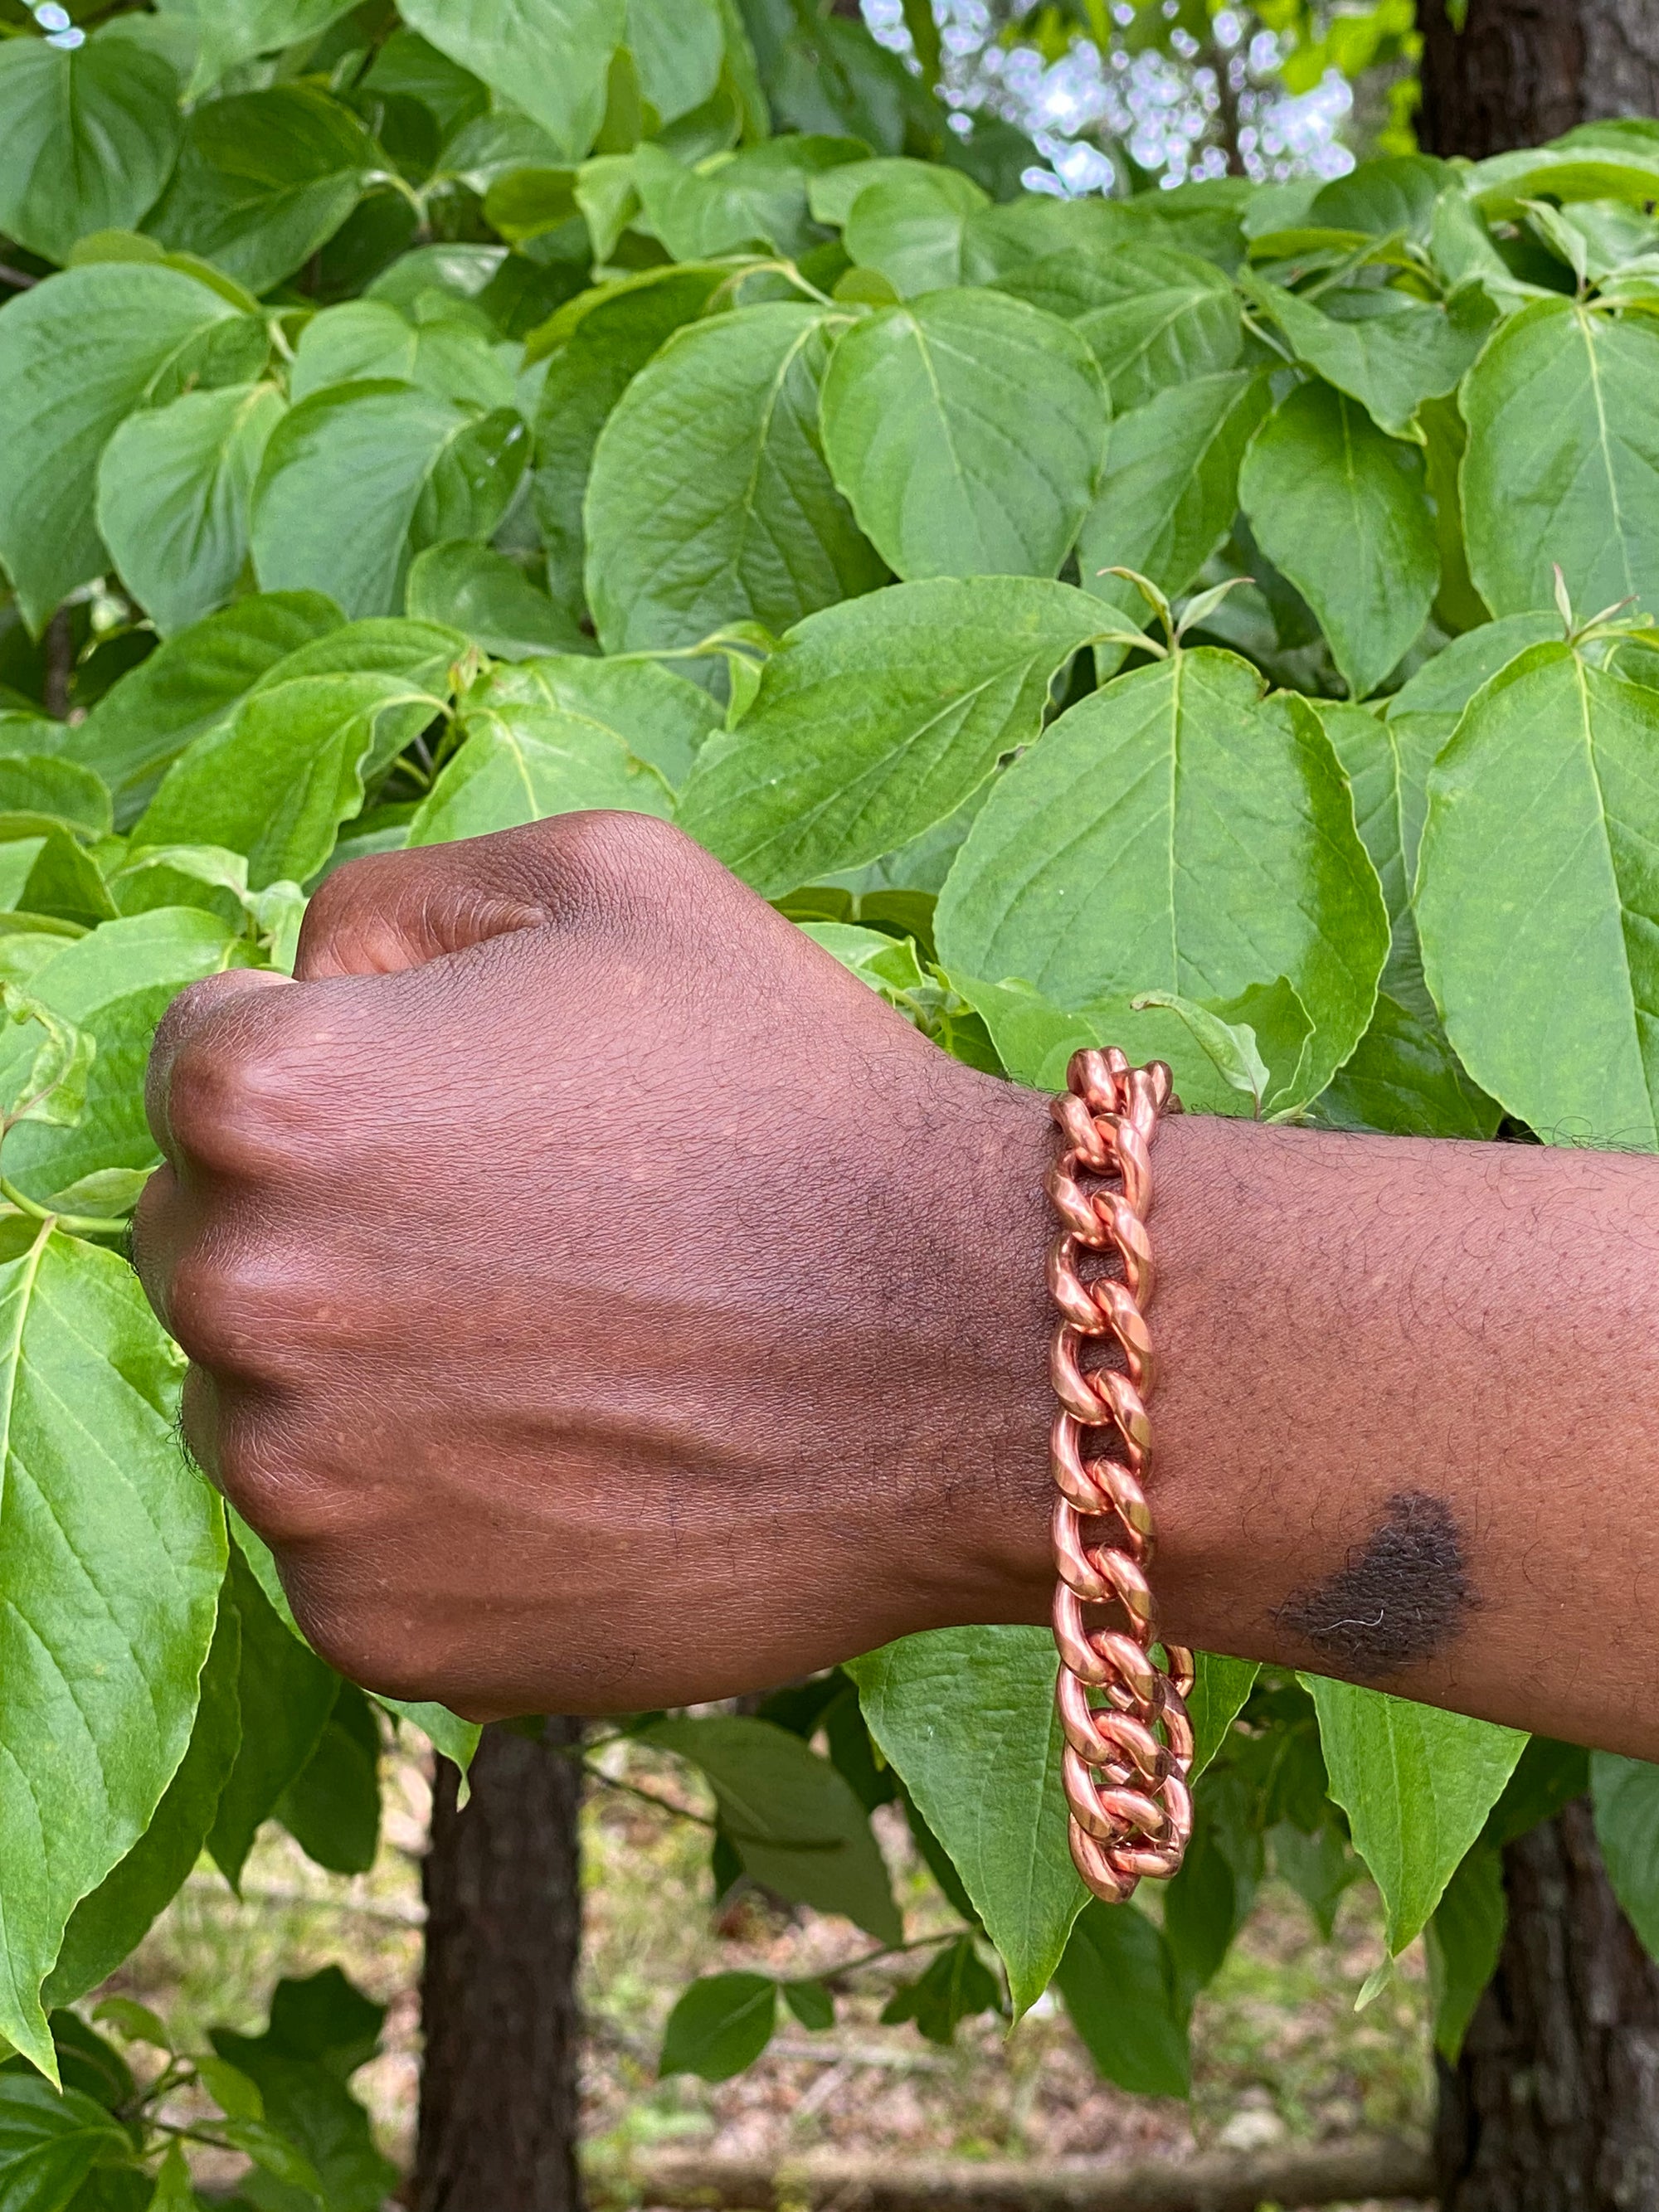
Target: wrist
column 976, row 1545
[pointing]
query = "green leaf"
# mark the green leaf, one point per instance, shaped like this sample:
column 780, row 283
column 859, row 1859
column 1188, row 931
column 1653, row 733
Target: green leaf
column 1463, row 1940
column 133, row 2021
column 276, row 782
column 951, row 1707
column 721, row 2024
column 115, row 984
column 1416, row 1783
column 757, row 197
column 331, row 1808
column 1220, row 1687
column 1562, row 460
column 190, row 686
column 110, row 1552
column 1574, row 169
column 1536, row 895
column 793, row 1818
column 661, row 717
column 811, row 2004
column 956, row 1984
column 228, row 32
column 1320, row 1867
column 1170, row 491
column 585, row 378
column 450, row 354
column 1258, row 1042
column 1396, row 193
column 47, row 1076
column 325, row 2020
column 273, row 2154
column 833, row 195
column 1405, row 1080
column 286, row 1694
column 489, row 600
column 60, row 789
column 90, row 135
column 550, row 57
column 174, row 486
column 359, row 478
column 1446, row 683
column 49, row 2143
column 1118, row 1980
column 90, row 2062
column 265, row 180
column 314, row 2125
column 1390, row 361
column 678, row 46
column 1153, row 317
column 877, row 719
column 110, row 1922
column 62, row 881
column 1035, row 1040
column 1549, row 1776
column 1340, row 509
column 968, row 431
column 237, row 2098
column 1387, row 765
column 1625, row 1794
column 710, row 501
column 525, row 759
column 1175, row 831
column 77, row 354
column 910, row 225
column 173, row 2189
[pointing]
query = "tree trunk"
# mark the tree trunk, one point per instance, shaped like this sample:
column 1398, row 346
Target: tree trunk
column 498, row 2127
column 1553, row 2105
column 1522, row 71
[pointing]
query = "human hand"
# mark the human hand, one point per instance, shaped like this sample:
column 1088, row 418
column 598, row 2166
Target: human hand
column 597, row 1298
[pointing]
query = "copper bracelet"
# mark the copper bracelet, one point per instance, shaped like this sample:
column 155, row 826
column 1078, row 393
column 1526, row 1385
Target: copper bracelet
column 1128, row 1757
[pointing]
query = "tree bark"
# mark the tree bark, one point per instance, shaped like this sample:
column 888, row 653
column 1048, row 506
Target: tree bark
column 1553, row 2105
column 1522, row 71
column 498, row 2124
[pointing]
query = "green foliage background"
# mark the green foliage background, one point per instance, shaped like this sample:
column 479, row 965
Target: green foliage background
column 1214, row 622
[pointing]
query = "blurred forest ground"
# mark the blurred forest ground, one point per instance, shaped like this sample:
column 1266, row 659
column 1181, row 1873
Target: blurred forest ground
column 1280, row 2053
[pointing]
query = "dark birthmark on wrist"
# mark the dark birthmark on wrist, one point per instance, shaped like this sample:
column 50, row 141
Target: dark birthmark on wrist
column 1399, row 1597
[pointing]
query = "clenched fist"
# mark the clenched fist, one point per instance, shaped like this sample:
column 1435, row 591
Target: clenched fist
column 597, row 1298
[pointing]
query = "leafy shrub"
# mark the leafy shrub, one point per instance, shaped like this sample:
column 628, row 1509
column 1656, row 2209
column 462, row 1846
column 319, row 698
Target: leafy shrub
column 409, row 428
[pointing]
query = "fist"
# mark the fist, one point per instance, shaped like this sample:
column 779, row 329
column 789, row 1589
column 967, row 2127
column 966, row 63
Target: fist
column 596, row 1297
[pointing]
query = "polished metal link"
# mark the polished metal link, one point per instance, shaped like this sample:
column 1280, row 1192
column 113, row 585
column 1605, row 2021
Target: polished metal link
column 1122, row 1711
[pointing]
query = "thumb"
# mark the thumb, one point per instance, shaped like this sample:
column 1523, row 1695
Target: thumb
column 394, row 910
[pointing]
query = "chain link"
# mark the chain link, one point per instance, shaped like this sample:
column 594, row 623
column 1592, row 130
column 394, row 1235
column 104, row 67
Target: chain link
column 1127, row 1756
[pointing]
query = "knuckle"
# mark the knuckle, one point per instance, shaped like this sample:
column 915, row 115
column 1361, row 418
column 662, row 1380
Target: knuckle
column 200, row 1311
column 359, row 1638
column 232, row 1317
column 615, row 844
column 271, row 1483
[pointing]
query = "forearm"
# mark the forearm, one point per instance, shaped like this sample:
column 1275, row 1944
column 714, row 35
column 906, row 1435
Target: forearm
column 1404, row 1423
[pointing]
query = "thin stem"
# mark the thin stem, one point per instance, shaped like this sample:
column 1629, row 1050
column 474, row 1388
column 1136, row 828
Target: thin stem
column 887, row 1951
column 78, row 1225
column 649, row 1796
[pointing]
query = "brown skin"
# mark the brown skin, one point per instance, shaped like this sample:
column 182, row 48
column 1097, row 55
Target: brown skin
column 601, row 1300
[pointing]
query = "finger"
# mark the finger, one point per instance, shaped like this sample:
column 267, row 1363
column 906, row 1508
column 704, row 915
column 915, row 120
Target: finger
column 183, row 1018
